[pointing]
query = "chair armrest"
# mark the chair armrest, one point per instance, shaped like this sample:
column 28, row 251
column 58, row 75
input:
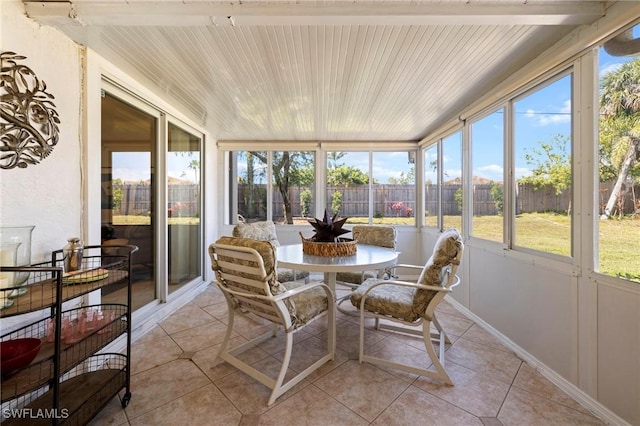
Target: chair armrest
column 244, row 293
column 284, row 295
column 304, row 288
column 407, row 266
column 414, row 285
column 406, row 284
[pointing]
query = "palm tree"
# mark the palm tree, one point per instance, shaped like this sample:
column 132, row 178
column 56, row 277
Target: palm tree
column 620, row 124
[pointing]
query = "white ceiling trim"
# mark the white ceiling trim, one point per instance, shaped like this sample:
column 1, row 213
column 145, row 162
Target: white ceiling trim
column 171, row 13
column 279, row 145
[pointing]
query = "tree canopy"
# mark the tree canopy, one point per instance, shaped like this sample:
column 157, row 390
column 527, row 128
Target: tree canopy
column 620, row 128
column 551, row 163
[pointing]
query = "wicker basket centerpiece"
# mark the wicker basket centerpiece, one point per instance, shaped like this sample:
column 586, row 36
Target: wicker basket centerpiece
column 327, row 241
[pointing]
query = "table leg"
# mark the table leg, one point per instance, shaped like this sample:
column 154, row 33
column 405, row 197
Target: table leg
column 330, row 279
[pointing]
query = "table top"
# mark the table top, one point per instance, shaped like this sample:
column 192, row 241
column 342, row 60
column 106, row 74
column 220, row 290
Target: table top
column 366, row 257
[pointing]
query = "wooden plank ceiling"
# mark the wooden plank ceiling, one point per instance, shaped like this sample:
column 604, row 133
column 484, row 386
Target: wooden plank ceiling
column 343, row 70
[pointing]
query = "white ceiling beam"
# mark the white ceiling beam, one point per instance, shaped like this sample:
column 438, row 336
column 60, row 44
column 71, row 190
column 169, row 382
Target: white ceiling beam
column 177, row 13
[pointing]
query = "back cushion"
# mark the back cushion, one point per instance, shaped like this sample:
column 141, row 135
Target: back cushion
column 381, row 236
column 266, row 251
column 263, row 231
column 444, row 253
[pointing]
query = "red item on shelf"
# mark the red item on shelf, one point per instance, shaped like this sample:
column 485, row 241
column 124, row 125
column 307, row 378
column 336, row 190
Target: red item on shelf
column 18, row 353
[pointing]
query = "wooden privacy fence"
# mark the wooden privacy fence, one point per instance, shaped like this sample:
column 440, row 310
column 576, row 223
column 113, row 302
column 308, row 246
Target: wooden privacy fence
column 135, row 199
column 389, row 200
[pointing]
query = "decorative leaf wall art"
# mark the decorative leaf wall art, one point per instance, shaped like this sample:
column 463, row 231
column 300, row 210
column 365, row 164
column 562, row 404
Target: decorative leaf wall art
column 28, row 119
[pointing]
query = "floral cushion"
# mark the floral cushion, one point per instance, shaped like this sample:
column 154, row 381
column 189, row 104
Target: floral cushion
column 355, row 277
column 381, row 236
column 263, row 231
column 444, row 254
column 309, row 304
column 266, row 231
column 266, row 251
column 392, row 300
column 408, row 303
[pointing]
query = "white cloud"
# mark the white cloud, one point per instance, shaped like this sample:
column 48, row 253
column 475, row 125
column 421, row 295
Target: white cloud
column 130, row 175
column 490, row 171
column 542, row 118
column 610, row 68
column 522, row 172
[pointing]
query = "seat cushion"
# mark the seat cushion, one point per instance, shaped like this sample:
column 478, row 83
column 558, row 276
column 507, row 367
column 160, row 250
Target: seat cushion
column 392, row 300
column 354, row 277
column 309, row 304
column 373, row 235
column 285, row 274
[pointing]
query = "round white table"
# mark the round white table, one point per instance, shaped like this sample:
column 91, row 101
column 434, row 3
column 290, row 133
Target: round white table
column 366, row 258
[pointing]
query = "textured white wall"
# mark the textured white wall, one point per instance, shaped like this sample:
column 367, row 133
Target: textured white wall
column 47, row 195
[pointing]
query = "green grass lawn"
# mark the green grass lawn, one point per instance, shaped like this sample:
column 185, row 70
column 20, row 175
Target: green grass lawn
column 549, row 232
column 146, row 220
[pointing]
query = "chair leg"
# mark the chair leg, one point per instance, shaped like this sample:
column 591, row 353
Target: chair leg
column 438, row 362
column 435, row 322
column 437, row 373
column 361, row 343
column 227, row 335
column 277, row 387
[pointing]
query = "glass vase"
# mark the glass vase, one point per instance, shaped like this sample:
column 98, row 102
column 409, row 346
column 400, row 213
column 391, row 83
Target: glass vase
column 8, row 256
column 21, row 235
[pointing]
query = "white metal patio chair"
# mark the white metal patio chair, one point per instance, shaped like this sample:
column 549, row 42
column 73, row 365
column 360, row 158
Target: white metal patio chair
column 413, row 304
column 245, row 273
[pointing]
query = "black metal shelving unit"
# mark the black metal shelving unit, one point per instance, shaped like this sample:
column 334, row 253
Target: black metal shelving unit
column 70, row 380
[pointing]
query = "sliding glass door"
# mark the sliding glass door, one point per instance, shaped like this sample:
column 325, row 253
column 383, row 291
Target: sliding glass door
column 128, row 187
column 151, row 196
column 184, row 208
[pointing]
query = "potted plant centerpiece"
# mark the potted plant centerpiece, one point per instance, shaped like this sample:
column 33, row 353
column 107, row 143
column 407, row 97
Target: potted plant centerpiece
column 327, row 241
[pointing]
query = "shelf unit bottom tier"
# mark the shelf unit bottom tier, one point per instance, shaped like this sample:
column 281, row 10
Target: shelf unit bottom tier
column 81, row 398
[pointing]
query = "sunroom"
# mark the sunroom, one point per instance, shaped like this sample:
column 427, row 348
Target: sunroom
column 179, row 119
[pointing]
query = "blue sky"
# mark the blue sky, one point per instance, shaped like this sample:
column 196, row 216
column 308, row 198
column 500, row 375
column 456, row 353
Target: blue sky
column 539, row 117
column 134, row 166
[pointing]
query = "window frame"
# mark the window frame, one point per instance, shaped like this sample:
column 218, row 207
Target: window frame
column 230, row 151
column 540, row 84
column 464, row 124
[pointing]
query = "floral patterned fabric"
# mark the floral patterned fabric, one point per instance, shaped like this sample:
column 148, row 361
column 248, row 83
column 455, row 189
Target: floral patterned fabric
column 263, row 231
column 381, row 236
column 301, row 307
column 408, row 303
column 392, row 300
column 444, row 254
column 309, row 304
column 266, row 251
column 266, row 231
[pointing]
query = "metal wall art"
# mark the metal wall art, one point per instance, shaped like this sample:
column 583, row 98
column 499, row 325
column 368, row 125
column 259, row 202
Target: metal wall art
column 28, row 120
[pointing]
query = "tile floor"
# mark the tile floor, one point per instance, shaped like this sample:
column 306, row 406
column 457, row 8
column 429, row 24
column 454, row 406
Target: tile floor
column 176, row 379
